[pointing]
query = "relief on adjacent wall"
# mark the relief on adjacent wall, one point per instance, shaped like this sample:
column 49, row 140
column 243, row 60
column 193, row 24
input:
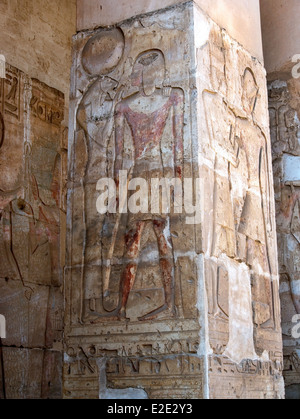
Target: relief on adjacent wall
column 31, row 216
column 284, row 123
column 30, row 188
column 285, row 129
column 10, row 92
column 294, row 275
column 46, row 112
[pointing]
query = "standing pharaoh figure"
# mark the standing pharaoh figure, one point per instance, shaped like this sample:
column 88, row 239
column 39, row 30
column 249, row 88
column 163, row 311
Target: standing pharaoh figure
column 226, row 148
column 146, row 113
column 221, row 267
column 241, row 223
column 255, row 223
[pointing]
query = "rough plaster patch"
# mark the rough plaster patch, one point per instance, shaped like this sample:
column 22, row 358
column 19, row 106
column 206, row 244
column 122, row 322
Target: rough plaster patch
column 116, row 394
column 241, row 343
column 291, row 168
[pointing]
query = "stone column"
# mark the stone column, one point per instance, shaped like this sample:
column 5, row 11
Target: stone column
column 178, row 301
column 281, row 36
column 33, row 161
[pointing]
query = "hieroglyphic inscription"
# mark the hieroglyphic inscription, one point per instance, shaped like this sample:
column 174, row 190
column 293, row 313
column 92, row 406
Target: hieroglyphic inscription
column 10, row 91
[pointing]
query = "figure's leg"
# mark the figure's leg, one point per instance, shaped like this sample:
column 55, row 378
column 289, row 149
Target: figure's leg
column 89, row 245
column 132, row 243
column 166, row 267
column 221, row 242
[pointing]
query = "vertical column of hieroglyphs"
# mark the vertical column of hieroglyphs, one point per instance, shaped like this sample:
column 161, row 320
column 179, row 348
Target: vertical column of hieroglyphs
column 239, row 231
column 30, row 203
column 284, row 119
column 132, row 276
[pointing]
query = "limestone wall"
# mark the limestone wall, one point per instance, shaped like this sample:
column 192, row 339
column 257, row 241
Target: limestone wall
column 241, row 18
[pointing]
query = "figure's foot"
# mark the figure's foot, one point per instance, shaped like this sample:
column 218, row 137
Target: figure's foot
column 162, row 313
column 122, row 315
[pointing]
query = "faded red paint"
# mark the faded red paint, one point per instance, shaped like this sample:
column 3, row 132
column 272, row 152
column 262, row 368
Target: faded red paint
column 159, row 226
column 127, row 283
column 132, row 241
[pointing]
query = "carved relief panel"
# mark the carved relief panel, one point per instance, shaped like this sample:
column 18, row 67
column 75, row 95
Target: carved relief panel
column 239, row 235
column 285, row 146
column 151, row 292
column 133, row 273
column 31, row 214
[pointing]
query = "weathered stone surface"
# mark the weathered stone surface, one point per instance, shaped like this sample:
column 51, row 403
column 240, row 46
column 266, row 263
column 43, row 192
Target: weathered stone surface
column 238, row 19
column 32, row 205
column 285, row 129
column 31, row 373
column 156, row 306
column 36, row 38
